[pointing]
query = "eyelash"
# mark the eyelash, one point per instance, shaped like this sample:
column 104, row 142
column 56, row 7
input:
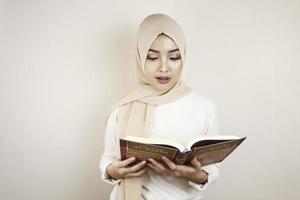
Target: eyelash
column 171, row 58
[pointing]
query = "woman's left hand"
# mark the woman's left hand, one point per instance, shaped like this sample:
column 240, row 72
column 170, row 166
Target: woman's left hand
column 191, row 173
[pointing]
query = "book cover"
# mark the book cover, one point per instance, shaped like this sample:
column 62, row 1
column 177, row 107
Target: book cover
column 208, row 150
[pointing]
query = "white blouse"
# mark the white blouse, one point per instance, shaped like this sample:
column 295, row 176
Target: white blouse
column 182, row 120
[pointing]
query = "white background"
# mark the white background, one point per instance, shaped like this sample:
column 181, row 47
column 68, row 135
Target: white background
column 64, row 62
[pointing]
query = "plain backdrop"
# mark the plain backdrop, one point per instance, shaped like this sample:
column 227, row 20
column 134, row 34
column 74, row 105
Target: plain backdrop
column 64, row 62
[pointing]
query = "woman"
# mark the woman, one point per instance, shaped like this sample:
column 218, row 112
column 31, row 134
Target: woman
column 163, row 107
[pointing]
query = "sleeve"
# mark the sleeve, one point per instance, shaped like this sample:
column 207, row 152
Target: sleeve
column 110, row 148
column 213, row 170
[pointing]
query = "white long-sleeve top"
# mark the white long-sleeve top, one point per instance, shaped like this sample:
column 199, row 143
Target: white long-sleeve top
column 189, row 117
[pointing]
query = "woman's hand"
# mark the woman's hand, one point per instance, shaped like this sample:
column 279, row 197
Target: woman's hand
column 191, row 173
column 119, row 169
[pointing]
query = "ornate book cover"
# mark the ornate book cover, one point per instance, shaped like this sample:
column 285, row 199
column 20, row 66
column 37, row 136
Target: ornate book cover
column 208, row 149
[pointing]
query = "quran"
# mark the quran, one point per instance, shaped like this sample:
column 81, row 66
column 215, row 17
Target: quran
column 207, row 149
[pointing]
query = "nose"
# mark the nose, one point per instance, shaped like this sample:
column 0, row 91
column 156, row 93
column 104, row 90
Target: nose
column 163, row 65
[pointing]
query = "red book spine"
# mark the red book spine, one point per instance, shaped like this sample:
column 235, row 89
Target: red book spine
column 123, row 149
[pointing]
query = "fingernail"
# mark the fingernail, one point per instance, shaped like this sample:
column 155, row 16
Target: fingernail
column 132, row 158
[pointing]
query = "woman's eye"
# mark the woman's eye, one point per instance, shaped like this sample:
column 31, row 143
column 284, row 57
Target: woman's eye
column 174, row 58
column 152, row 58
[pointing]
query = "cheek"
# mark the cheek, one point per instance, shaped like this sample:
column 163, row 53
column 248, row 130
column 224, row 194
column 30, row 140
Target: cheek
column 149, row 70
column 176, row 68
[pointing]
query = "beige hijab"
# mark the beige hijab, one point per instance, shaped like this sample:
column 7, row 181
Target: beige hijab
column 136, row 108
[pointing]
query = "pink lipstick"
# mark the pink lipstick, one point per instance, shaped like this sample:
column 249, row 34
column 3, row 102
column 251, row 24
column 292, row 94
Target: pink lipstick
column 163, row 79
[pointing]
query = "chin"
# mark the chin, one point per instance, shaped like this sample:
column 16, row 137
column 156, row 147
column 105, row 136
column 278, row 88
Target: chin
column 163, row 86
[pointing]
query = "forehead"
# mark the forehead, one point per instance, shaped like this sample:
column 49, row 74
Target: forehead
column 163, row 43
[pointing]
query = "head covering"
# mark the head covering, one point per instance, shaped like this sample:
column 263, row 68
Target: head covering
column 136, row 108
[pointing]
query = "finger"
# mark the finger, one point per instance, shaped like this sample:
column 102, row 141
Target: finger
column 137, row 174
column 184, row 169
column 170, row 164
column 157, row 164
column 176, row 173
column 158, row 170
column 136, row 167
column 153, row 167
column 196, row 164
column 141, row 172
column 126, row 162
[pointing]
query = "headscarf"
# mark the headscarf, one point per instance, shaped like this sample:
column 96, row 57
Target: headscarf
column 135, row 109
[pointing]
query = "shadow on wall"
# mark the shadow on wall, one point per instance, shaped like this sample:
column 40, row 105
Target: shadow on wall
column 117, row 58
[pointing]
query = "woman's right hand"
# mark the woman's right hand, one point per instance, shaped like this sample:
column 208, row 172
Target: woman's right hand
column 119, row 169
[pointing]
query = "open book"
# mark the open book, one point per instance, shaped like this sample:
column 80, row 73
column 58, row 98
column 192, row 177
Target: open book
column 207, row 149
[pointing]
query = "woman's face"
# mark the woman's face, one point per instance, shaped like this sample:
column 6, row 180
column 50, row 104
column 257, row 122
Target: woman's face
column 163, row 64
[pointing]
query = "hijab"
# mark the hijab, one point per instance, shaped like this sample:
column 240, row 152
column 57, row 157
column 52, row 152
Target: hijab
column 135, row 109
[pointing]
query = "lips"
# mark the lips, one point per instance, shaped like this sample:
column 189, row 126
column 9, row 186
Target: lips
column 163, row 79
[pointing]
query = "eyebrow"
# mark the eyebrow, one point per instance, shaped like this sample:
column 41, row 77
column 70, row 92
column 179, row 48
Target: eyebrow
column 156, row 51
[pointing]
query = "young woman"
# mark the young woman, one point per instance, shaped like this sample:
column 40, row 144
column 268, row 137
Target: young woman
column 162, row 106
